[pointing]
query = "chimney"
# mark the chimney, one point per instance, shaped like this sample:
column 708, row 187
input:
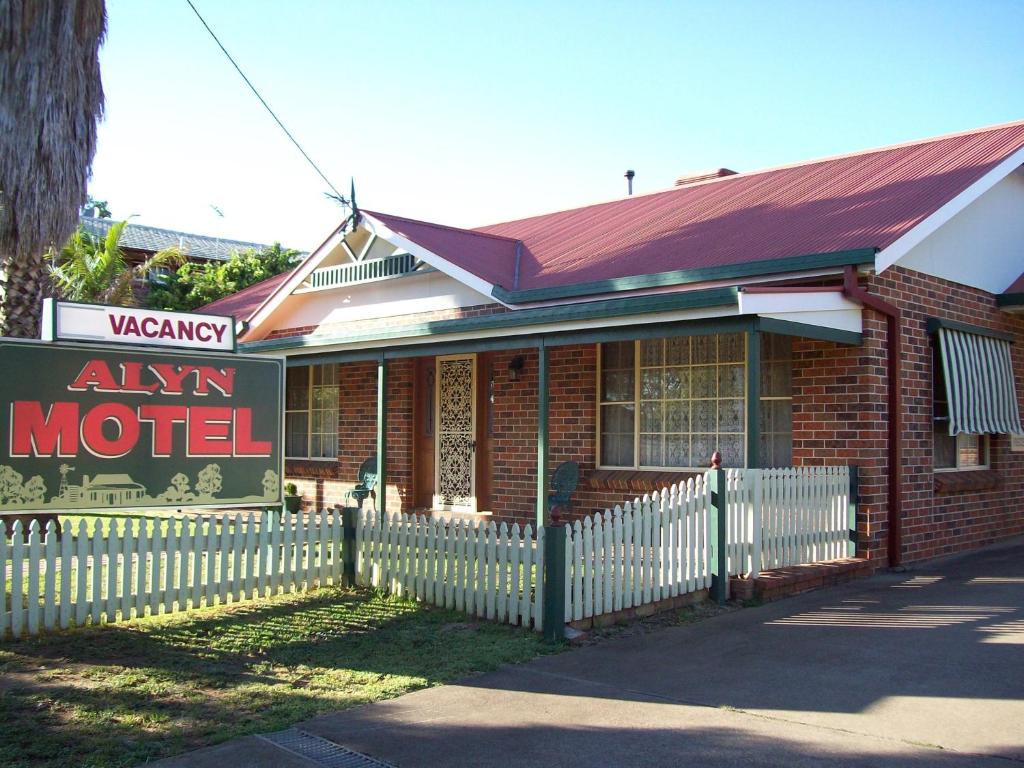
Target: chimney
column 629, row 180
column 692, row 178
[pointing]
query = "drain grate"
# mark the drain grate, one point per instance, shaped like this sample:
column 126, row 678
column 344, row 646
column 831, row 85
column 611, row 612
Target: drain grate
column 320, row 751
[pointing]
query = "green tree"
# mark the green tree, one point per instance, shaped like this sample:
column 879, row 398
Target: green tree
column 195, row 284
column 51, row 98
column 92, row 269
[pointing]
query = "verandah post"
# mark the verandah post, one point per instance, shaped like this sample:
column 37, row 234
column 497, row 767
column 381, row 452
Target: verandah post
column 554, row 581
column 753, row 398
column 542, row 434
column 382, row 433
column 851, row 510
column 348, row 545
column 554, row 531
column 717, row 521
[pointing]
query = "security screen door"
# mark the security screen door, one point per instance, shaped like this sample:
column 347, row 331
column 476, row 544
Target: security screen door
column 455, row 483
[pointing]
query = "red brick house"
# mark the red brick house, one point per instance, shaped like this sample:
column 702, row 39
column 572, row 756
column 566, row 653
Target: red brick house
column 862, row 309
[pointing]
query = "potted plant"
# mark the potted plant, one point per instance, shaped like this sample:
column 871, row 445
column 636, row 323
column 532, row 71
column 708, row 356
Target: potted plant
column 292, row 500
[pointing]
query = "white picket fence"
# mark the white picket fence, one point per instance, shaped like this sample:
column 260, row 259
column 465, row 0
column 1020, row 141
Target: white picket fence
column 160, row 566
column 477, row 567
column 642, row 552
column 783, row 517
column 660, row 546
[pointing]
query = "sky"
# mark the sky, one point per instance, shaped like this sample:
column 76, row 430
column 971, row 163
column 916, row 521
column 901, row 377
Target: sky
column 471, row 113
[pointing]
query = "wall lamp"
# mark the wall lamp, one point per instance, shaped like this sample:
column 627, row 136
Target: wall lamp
column 515, row 366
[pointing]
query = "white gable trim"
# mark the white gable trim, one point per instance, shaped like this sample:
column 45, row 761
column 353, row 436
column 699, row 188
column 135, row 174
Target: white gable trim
column 301, row 273
column 380, row 229
column 889, row 256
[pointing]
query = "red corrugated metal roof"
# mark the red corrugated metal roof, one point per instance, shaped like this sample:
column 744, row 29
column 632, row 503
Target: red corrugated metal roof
column 862, row 200
column 491, row 257
column 867, row 199
column 243, row 305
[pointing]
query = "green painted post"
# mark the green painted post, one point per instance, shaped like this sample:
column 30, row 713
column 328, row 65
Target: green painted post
column 851, row 511
column 717, row 518
column 554, row 582
column 382, row 433
column 754, row 399
column 542, row 434
column 348, row 544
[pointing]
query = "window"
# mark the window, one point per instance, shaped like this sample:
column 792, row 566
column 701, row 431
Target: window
column 952, row 452
column 670, row 403
column 311, row 412
column 776, row 400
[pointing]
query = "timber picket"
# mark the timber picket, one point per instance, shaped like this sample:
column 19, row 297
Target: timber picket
column 158, row 567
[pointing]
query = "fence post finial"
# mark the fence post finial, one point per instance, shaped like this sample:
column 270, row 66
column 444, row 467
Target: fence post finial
column 716, row 460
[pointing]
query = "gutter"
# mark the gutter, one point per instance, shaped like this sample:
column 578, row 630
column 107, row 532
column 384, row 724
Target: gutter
column 687, row 276
column 852, row 290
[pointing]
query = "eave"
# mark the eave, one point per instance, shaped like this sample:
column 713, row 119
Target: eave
column 681, row 277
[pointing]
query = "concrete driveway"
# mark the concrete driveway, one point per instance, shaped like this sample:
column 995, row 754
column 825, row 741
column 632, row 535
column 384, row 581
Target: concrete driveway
column 916, row 669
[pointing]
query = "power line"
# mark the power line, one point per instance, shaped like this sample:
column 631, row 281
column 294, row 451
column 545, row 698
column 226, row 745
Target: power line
column 337, row 195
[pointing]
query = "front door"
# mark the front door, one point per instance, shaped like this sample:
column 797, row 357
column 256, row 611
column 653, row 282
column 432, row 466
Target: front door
column 455, row 454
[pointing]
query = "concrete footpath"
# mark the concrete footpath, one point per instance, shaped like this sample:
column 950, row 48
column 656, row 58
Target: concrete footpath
column 916, row 669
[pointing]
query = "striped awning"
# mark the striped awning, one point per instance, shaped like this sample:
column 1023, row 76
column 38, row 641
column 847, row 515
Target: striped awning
column 979, row 383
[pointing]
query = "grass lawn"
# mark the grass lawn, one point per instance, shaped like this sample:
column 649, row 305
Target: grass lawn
column 122, row 694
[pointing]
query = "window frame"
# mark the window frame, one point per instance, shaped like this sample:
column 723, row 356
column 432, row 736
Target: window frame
column 636, row 402
column 984, row 448
column 308, row 410
column 984, row 440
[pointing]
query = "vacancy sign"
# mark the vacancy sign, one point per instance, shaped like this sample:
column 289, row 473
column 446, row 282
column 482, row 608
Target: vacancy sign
column 67, row 321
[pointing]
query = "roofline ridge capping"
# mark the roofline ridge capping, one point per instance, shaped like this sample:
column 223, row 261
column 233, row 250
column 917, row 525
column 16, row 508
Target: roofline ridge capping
column 442, row 226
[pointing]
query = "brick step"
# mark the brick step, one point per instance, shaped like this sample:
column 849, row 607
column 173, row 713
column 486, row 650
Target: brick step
column 784, row 582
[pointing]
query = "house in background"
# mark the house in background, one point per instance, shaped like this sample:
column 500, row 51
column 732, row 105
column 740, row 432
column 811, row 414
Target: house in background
column 139, row 242
column 859, row 310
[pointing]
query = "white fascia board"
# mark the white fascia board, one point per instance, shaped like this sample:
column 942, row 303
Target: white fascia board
column 795, row 302
column 301, row 273
column 825, row 309
column 893, row 253
column 380, row 229
column 841, row 319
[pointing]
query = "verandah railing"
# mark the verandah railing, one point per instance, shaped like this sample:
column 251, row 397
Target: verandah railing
column 88, row 576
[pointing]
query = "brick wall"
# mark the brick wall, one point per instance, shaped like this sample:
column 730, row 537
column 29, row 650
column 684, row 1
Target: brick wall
column 961, row 515
column 840, row 417
column 324, row 483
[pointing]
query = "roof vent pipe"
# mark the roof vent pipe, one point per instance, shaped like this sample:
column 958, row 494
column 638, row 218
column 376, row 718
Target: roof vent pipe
column 629, row 181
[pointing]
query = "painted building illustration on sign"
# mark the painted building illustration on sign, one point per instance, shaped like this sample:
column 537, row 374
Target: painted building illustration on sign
column 94, row 428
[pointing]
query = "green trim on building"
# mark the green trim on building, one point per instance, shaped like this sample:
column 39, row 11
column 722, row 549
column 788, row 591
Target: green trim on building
column 382, row 434
column 593, row 310
column 703, row 327
column 1010, row 300
column 543, row 399
column 805, row 331
column 935, row 323
column 687, row 276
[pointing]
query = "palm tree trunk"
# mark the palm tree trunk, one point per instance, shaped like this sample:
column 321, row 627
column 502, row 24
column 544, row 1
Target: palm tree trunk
column 26, row 284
